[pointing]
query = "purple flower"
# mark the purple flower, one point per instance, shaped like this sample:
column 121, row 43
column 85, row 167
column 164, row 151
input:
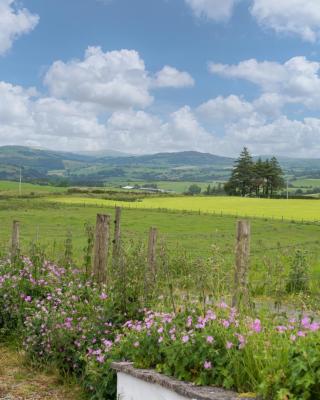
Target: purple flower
column 185, row 338
column 207, row 365
column 100, row 359
column 226, row 323
column 256, row 326
column 210, row 339
column 103, row 296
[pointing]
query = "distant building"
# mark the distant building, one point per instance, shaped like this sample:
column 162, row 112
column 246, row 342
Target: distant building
column 127, row 187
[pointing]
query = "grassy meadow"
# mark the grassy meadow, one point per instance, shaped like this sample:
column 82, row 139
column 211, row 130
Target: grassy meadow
column 199, row 236
column 296, row 210
column 279, row 227
column 12, row 189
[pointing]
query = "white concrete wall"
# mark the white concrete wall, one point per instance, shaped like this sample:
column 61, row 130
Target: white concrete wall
column 130, row 388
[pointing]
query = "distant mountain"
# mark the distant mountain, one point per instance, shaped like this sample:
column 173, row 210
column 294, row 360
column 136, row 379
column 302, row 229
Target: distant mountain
column 105, row 153
column 45, row 160
column 95, row 168
column 184, row 158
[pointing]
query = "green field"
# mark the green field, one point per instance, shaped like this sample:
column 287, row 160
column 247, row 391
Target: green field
column 199, row 236
column 297, row 210
column 306, row 183
column 12, row 188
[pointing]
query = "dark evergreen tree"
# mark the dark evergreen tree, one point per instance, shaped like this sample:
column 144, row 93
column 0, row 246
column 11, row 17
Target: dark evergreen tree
column 262, row 178
column 241, row 179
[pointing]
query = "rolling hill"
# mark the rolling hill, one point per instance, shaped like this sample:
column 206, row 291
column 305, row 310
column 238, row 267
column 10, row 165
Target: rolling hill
column 43, row 166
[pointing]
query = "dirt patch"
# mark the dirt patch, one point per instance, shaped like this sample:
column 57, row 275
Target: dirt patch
column 20, row 382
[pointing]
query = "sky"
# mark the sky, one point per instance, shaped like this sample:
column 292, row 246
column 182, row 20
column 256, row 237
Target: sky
column 147, row 76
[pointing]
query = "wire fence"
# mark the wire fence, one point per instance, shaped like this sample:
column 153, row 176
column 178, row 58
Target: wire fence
column 275, row 266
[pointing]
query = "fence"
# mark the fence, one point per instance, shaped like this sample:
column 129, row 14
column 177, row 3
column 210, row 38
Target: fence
column 244, row 279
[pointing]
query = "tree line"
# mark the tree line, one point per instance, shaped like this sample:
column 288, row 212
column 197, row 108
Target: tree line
column 262, row 178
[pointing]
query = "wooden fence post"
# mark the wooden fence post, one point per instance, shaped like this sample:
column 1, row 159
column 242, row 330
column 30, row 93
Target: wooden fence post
column 117, row 235
column 101, row 248
column 240, row 294
column 152, row 245
column 15, row 241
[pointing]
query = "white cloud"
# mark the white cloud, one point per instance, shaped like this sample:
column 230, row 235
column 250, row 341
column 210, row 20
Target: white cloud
column 171, row 77
column 222, row 109
column 295, row 81
column 142, row 132
column 217, row 10
column 298, row 17
column 29, row 119
column 113, row 80
column 15, row 21
column 282, row 136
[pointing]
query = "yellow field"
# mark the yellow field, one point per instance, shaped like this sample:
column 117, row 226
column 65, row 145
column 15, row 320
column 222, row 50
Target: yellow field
column 307, row 210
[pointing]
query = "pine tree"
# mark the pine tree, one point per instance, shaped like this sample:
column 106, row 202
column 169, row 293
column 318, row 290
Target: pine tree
column 276, row 176
column 242, row 175
column 249, row 178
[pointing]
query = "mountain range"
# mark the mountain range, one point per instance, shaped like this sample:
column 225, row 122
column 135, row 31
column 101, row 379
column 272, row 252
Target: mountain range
column 89, row 168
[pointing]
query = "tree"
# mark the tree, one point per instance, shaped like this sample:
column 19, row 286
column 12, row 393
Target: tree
column 241, row 181
column 276, row 176
column 194, row 189
column 262, row 178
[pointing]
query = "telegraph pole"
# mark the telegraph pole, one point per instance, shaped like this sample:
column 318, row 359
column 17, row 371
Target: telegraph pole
column 20, row 181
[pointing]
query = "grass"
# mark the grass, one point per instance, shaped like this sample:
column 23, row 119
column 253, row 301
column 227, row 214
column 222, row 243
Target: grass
column 195, row 234
column 19, row 381
column 297, row 210
column 306, row 183
column 12, row 188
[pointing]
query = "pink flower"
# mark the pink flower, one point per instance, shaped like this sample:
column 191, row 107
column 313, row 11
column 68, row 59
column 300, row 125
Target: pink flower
column 100, row 359
column 160, row 339
column 185, row 339
column 229, row 345
column 301, row 334
column 293, row 338
column 207, row 365
column 315, row 326
column 210, row 339
column 136, row 344
column 256, row 326
column 226, row 323
column 103, row 296
column 305, row 322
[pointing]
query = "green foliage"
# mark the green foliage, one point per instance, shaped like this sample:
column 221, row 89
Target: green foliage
column 68, row 249
column 298, row 280
column 248, row 178
column 88, row 249
column 194, row 190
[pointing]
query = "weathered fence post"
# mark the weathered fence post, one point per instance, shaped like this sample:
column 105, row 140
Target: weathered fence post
column 152, row 245
column 240, row 294
column 117, row 236
column 15, row 241
column 101, row 248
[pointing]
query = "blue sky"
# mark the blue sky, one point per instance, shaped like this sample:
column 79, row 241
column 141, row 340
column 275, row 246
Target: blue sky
column 144, row 76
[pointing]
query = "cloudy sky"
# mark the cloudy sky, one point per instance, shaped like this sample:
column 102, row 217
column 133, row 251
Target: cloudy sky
column 143, row 76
